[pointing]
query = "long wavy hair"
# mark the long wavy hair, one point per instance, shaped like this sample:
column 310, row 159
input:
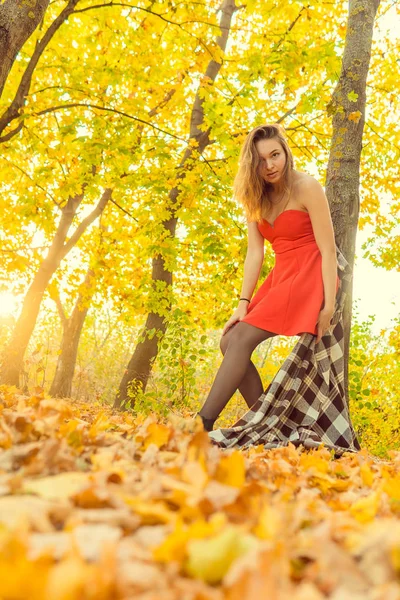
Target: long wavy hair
column 250, row 189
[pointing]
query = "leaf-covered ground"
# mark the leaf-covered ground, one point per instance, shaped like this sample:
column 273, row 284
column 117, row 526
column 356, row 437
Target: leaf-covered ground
column 97, row 505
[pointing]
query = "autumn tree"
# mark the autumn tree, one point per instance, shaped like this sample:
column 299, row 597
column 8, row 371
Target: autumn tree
column 108, row 129
column 72, row 328
column 348, row 108
column 18, row 20
column 14, row 353
column 140, row 364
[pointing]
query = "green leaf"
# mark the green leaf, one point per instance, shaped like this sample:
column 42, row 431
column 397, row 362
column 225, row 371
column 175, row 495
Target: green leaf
column 352, row 96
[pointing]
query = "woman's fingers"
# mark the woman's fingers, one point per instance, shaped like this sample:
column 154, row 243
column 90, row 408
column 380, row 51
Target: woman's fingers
column 225, row 329
column 228, row 326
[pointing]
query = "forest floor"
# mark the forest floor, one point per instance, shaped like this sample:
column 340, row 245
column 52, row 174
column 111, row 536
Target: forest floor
column 98, row 505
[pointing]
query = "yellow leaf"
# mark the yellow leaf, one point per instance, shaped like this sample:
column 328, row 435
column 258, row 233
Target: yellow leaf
column 195, row 473
column 100, row 424
column 210, row 559
column 367, row 475
column 355, row 116
column 326, row 483
column 157, row 434
column 268, row 523
column 151, row 512
column 365, row 509
column 232, row 470
column 58, row 487
column 174, row 546
column 314, row 463
column 21, row 577
column 392, row 488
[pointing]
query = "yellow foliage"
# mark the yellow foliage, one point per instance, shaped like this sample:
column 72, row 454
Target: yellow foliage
column 232, row 470
column 157, row 434
column 210, row 559
column 135, row 514
column 365, row 509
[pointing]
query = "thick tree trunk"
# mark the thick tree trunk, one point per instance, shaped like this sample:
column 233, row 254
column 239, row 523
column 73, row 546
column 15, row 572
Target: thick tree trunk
column 138, row 371
column 14, row 353
column 348, row 108
column 18, row 20
column 72, row 328
column 7, row 32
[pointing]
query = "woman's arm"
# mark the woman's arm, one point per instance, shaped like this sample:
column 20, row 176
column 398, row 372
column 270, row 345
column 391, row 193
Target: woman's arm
column 253, row 261
column 316, row 202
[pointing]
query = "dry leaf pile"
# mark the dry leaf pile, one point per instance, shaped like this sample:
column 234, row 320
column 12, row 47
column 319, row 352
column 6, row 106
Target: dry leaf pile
column 97, row 505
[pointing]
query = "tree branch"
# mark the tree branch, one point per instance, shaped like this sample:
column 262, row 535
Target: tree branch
column 83, row 225
column 12, row 111
column 61, row 312
column 108, row 109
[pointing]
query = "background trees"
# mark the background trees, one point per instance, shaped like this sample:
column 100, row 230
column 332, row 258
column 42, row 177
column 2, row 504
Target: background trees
column 135, row 114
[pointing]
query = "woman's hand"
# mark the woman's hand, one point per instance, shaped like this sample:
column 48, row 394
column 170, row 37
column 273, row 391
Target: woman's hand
column 239, row 313
column 324, row 322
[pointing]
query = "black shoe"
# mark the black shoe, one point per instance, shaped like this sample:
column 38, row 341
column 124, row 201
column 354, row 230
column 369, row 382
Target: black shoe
column 207, row 423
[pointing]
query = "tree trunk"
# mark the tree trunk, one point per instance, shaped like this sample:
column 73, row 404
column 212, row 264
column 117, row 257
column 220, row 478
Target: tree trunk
column 348, row 108
column 13, row 111
column 14, row 353
column 18, row 20
column 72, row 328
column 139, row 368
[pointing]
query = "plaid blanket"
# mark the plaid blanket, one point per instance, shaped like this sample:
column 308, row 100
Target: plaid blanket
column 305, row 402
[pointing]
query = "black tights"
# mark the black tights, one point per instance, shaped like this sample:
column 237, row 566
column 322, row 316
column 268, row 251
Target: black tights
column 236, row 371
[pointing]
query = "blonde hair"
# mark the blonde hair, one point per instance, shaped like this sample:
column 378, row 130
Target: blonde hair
column 250, row 189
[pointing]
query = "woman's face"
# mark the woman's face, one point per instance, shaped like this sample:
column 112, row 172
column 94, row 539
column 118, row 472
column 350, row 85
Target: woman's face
column 272, row 160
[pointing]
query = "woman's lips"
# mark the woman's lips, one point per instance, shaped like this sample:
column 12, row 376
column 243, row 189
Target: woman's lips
column 272, row 174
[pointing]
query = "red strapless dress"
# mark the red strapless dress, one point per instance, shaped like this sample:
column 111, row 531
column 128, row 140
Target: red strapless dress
column 290, row 299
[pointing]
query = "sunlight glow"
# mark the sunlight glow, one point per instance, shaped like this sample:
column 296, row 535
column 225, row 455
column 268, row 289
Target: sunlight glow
column 8, row 304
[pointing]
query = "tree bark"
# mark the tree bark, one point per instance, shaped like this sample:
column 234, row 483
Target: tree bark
column 12, row 365
column 138, row 370
column 13, row 111
column 72, row 327
column 18, row 20
column 347, row 106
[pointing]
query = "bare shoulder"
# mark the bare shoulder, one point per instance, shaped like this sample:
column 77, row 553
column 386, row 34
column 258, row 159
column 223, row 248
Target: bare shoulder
column 304, row 186
column 305, row 182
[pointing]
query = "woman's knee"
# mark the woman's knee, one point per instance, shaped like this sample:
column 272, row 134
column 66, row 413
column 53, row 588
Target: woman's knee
column 226, row 339
column 223, row 343
column 232, row 337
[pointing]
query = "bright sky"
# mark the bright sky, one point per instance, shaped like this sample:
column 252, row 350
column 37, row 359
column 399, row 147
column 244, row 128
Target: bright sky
column 377, row 290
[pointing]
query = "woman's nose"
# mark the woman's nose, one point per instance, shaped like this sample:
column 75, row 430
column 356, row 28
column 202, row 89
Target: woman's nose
column 266, row 165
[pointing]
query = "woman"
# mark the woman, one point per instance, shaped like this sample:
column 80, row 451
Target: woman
column 290, row 210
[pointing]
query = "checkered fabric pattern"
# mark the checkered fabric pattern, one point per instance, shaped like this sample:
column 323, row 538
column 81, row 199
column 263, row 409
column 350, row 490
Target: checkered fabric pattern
column 305, row 402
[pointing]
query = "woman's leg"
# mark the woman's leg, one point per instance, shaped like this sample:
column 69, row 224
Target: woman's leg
column 251, row 386
column 244, row 338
